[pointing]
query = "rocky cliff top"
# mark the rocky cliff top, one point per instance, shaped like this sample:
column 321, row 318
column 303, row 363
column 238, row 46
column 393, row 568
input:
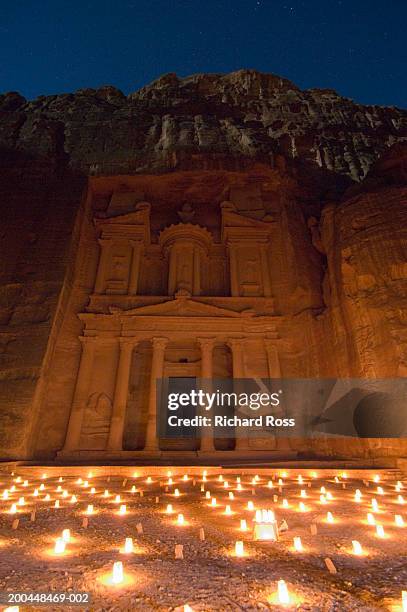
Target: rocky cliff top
column 204, row 120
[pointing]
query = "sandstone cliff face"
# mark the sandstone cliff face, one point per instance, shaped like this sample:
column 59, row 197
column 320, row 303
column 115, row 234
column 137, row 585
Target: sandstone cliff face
column 340, row 268
column 174, row 122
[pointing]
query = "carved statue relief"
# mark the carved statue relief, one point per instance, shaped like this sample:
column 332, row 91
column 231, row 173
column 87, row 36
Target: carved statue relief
column 96, row 421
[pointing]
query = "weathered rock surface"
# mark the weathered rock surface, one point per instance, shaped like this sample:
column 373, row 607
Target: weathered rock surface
column 340, row 268
column 245, row 114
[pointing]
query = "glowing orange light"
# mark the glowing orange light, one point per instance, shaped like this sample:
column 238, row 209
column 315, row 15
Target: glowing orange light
column 398, row 519
column 298, row 544
column 128, row 546
column 357, row 548
column 117, row 573
column 283, row 594
column 243, row 525
column 380, row 531
column 239, row 549
column 66, row 535
column 59, row 547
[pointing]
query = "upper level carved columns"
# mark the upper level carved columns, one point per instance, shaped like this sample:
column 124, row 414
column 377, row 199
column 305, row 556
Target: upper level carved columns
column 157, row 369
column 206, row 345
column 81, row 393
column 186, row 247
column 248, row 242
column 122, row 243
column 115, row 441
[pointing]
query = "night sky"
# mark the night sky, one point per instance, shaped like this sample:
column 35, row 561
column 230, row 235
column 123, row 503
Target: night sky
column 357, row 47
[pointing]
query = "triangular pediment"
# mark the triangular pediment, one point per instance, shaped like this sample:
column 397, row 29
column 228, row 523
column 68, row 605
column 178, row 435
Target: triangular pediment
column 179, row 307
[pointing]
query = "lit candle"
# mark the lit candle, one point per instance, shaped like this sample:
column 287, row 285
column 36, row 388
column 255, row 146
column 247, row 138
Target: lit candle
column 239, row 486
column 371, row 519
column 228, row 510
column 250, row 505
column 122, row 509
column 283, row 594
column 59, row 546
column 322, row 499
column 73, row 499
column 106, row 493
column 329, row 517
column 239, row 549
column 375, row 505
column 117, row 573
column 185, row 477
column 357, row 548
column 90, row 509
column 303, row 493
column 180, row 519
column 400, row 499
column 56, row 505
column 66, row 535
column 302, row 507
column 213, row 501
column 208, row 494
column 117, row 499
column 404, row 600
column 270, row 484
column 133, row 489
column 380, row 531
column 13, row 509
column 176, row 492
column 243, row 525
column 358, row 496
column 398, row 519
column 298, row 544
column 231, row 496
column 285, row 503
column 128, row 546
column 169, row 509
column 5, row 494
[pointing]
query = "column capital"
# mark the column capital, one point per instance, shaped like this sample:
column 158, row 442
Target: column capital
column 235, row 343
column 159, row 342
column 206, row 343
column 128, row 342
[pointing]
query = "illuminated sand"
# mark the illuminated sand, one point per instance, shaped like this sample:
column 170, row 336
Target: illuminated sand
column 211, row 575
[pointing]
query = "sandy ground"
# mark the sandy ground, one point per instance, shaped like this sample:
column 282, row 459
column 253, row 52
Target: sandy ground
column 210, row 576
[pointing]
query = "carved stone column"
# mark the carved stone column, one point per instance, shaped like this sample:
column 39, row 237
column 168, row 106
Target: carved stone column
column 115, row 440
column 274, row 368
column 81, row 394
column 272, row 358
column 157, row 368
column 206, row 345
column 137, row 251
column 234, row 279
column 100, row 285
column 237, row 345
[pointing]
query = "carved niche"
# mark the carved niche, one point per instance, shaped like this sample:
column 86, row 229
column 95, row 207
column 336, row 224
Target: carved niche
column 187, row 248
column 122, row 242
column 247, row 241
